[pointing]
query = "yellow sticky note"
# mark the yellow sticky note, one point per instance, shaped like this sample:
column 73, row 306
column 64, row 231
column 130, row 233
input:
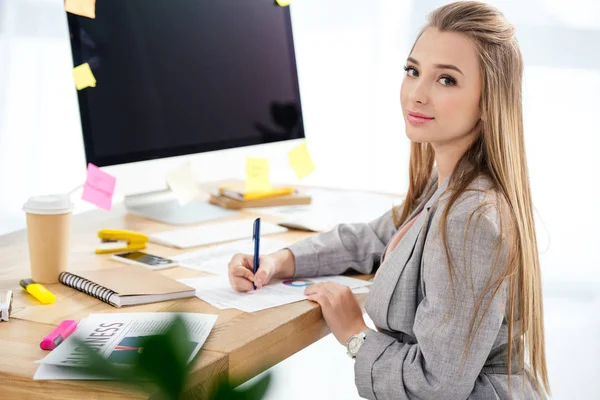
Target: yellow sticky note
column 301, row 161
column 83, row 76
column 85, row 8
column 182, row 183
column 284, row 3
column 257, row 175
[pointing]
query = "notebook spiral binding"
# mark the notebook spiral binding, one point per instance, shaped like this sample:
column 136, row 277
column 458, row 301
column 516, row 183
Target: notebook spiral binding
column 86, row 286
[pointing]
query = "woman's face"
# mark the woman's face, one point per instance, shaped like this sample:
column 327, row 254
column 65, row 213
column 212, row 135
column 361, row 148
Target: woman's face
column 442, row 83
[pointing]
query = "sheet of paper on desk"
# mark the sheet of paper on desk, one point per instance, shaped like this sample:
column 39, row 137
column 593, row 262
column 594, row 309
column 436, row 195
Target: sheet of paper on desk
column 216, row 232
column 125, row 333
column 330, row 208
column 48, row 372
column 218, row 289
column 215, row 259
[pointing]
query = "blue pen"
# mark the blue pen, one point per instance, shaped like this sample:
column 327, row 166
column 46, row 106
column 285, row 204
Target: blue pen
column 256, row 239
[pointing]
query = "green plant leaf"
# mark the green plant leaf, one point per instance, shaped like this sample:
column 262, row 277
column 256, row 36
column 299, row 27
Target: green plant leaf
column 98, row 365
column 226, row 391
column 164, row 359
column 258, row 390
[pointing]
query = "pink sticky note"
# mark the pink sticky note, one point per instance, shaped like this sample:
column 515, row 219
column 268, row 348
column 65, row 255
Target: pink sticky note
column 99, row 187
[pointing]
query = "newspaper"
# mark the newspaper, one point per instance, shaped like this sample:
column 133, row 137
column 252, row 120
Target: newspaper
column 117, row 337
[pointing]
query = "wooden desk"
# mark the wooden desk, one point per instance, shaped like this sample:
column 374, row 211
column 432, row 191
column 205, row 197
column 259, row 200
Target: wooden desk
column 240, row 346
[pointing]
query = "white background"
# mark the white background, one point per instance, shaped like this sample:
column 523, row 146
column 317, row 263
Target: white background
column 350, row 55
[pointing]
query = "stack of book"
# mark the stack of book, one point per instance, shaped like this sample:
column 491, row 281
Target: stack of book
column 234, row 196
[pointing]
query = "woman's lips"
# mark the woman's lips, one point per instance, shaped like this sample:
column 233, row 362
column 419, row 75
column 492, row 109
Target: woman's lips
column 416, row 119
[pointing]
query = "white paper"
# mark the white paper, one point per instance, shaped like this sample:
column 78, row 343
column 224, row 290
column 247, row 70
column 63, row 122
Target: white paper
column 330, row 208
column 215, row 259
column 213, row 233
column 113, row 336
column 280, row 292
column 48, row 372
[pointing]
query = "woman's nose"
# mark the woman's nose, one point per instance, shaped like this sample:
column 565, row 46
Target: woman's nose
column 420, row 92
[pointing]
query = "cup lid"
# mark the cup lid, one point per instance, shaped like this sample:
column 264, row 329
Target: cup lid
column 49, row 204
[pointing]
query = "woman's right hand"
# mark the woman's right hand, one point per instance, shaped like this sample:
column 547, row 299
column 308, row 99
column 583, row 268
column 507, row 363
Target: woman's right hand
column 276, row 265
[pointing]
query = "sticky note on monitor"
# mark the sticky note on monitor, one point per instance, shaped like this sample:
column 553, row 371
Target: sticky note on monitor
column 83, row 76
column 99, row 187
column 182, row 183
column 283, row 3
column 257, row 175
column 85, row 8
column 301, row 161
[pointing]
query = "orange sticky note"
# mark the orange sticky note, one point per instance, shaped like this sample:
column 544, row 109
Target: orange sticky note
column 301, row 161
column 83, row 76
column 85, row 8
column 284, row 3
column 257, row 175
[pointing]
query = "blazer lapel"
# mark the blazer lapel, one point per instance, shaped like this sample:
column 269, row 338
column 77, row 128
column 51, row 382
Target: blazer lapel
column 379, row 299
column 429, row 192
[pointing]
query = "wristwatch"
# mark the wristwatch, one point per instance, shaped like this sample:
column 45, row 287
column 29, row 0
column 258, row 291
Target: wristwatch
column 354, row 343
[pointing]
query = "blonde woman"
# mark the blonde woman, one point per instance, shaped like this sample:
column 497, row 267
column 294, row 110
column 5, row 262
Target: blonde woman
column 457, row 270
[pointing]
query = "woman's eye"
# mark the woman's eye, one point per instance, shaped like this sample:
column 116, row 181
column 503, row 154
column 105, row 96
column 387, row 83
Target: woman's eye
column 409, row 69
column 444, row 80
column 447, row 81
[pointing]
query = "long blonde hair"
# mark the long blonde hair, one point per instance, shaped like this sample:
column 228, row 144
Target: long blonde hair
column 498, row 153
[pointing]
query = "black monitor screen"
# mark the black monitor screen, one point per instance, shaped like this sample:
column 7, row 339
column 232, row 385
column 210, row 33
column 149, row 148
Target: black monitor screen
column 177, row 77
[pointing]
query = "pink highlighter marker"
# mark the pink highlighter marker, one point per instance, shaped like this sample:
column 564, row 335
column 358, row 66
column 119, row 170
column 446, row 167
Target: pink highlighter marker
column 58, row 335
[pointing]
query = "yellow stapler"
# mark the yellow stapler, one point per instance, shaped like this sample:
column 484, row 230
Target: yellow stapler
column 114, row 240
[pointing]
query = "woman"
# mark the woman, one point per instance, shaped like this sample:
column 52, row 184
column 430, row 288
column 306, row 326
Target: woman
column 457, row 270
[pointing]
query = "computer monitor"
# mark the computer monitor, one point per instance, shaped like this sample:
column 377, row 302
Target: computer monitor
column 182, row 77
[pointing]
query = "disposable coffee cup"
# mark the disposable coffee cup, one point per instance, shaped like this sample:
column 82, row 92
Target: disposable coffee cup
column 49, row 235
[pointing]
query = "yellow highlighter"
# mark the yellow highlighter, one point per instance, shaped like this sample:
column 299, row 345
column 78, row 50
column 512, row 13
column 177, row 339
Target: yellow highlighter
column 37, row 291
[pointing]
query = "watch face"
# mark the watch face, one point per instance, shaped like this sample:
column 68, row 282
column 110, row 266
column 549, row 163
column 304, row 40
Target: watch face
column 354, row 344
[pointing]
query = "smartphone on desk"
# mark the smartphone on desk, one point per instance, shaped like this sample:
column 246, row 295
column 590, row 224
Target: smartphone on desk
column 145, row 260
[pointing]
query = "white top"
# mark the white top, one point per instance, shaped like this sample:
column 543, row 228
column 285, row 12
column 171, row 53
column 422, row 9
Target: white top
column 49, row 204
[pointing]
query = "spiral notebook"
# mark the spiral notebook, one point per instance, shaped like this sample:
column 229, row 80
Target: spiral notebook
column 127, row 285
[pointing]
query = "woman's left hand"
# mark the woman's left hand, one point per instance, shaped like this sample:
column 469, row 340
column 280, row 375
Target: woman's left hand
column 340, row 309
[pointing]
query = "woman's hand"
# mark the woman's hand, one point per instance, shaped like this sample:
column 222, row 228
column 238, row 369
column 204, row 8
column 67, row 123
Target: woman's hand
column 241, row 275
column 339, row 307
column 276, row 265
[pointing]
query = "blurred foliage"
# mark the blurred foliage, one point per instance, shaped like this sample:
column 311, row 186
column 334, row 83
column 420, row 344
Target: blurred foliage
column 164, row 362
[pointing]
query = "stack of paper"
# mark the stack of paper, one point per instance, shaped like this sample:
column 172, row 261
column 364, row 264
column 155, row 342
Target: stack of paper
column 330, row 208
column 218, row 291
column 217, row 232
column 216, row 259
column 117, row 337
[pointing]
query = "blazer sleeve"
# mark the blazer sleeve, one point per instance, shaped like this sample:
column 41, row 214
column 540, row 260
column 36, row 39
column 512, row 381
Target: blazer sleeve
column 347, row 246
column 430, row 368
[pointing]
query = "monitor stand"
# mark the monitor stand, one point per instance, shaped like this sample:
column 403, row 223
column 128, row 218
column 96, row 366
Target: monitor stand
column 163, row 206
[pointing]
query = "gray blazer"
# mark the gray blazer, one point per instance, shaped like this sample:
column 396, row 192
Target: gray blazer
column 421, row 330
